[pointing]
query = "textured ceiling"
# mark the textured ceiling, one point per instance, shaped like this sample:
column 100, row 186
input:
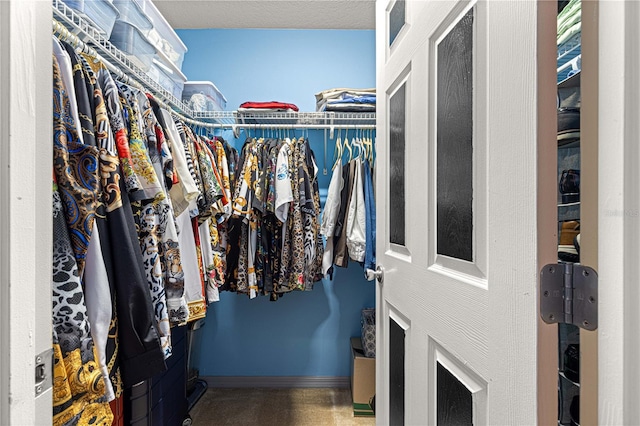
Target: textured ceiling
column 302, row 14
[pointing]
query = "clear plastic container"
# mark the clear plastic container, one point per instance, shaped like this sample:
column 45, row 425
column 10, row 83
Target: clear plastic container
column 203, row 96
column 172, row 84
column 101, row 13
column 131, row 41
column 132, row 12
column 163, row 37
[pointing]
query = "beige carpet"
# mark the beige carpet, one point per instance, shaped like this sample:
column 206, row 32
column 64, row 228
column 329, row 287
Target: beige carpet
column 277, row 407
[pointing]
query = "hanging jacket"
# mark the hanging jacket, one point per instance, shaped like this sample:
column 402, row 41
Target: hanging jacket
column 340, row 251
column 370, row 208
column 356, row 226
column 330, row 217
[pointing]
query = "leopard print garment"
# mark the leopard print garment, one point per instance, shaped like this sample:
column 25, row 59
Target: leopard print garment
column 166, row 233
column 313, row 240
column 149, row 224
column 151, row 215
column 281, row 284
column 297, row 266
column 78, row 384
column 242, row 209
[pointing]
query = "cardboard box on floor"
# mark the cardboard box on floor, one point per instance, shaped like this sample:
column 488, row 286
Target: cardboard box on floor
column 363, row 379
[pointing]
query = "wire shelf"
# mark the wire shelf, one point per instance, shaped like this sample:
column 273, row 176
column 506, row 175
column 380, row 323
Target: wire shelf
column 300, row 119
column 87, row 33
column 84, row 32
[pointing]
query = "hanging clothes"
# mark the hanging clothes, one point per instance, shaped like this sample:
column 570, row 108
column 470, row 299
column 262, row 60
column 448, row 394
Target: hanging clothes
column 79, row 386
column 340, row 253
column 370, row 218
column 152, row 213
column 152, row 220
column 188, row 232
column 349, row 219
column 330, row 216
column 185, row 190
column 356, row 225
column 91, row 110
column 274, row 229
column 137, row 348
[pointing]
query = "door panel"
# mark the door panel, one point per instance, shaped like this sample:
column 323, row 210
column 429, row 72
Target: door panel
column 462, row 272
column 397, row 136
column 455, row 404
column 610, row 210
column 456, row 387
column 397, row 348
column 454, row 140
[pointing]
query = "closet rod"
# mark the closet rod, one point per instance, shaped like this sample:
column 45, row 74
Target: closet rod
column 63, row 34
column 293, row 126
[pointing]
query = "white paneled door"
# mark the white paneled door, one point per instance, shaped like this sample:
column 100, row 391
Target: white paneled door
column 459, row 109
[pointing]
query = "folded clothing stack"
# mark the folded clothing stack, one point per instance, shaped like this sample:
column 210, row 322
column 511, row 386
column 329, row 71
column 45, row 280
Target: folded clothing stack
column 346, row 100
column 267, row 107
column 569, row 21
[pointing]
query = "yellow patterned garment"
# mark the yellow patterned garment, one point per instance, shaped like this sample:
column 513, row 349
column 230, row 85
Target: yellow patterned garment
column 78, row 383
column 75, row 386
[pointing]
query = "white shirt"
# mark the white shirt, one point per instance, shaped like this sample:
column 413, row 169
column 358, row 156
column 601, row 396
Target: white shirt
column 284, row 193
column 186, row 190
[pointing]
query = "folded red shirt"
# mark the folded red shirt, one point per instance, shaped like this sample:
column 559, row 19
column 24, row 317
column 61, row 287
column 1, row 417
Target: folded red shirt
column 274, row 105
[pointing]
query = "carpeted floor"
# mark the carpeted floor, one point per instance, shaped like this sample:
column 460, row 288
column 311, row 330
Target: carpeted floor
column 277, row 407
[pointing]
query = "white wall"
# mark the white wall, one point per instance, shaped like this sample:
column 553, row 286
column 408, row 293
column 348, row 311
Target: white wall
column 25, row 206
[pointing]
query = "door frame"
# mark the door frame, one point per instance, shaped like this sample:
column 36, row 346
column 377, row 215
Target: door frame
column 25, row 207
column 25, row 322
column 547, row 217
column 611, row 244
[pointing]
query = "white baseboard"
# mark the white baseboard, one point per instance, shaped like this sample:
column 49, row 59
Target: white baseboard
column 277, row 381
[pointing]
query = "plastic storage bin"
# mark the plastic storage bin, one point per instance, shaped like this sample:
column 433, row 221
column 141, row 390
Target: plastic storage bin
column 131, row 41
column 172, row 84
column 163, row 37
column 101, row 13
column 132, row 12
column 203, row 96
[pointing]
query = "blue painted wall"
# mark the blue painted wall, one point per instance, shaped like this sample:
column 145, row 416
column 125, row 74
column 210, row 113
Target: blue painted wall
column 304, row 333
column 279, row 65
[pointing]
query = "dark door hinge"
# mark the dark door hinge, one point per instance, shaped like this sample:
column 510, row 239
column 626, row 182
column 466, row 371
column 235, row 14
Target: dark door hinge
column 569, row 294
